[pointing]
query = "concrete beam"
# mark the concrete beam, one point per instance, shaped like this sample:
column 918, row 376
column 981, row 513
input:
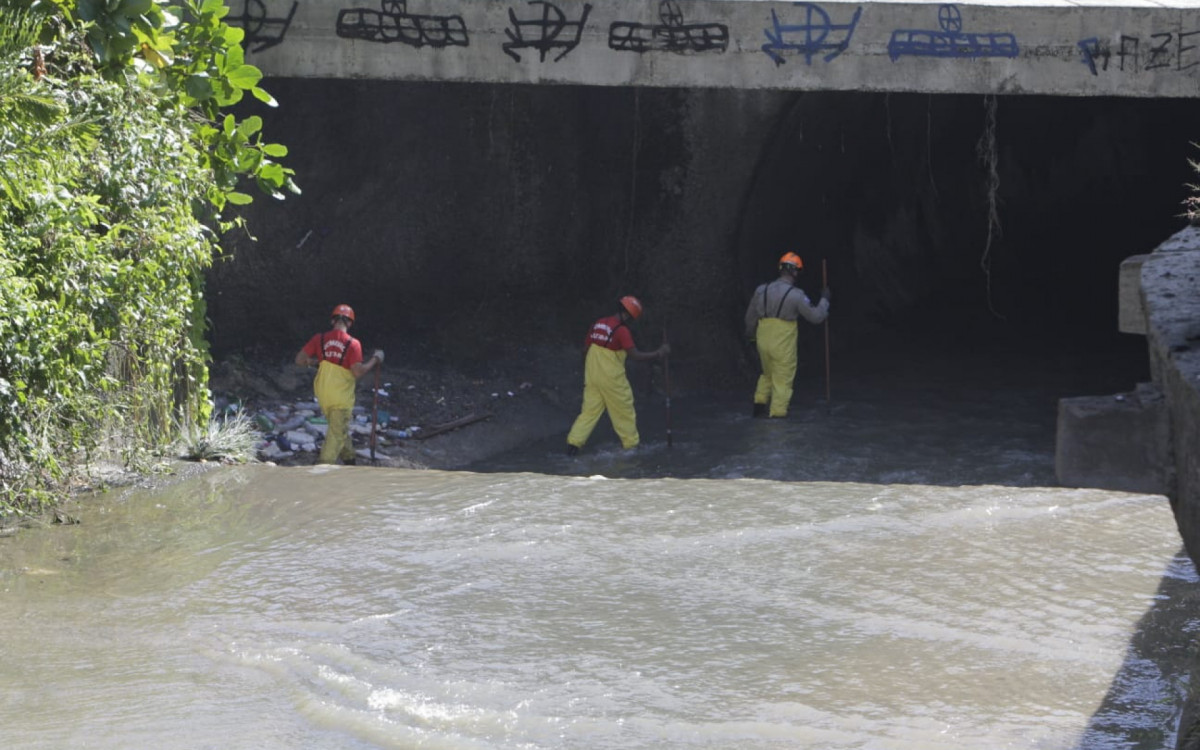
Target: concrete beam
column 1135, row 48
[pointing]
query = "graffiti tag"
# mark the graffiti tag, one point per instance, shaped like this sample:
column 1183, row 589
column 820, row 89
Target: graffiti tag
column 393, row 23
column 551, row 31
column 1165, row 50
column 950, row 40
column 671, row 34
column 816, row 35
column 262, row 31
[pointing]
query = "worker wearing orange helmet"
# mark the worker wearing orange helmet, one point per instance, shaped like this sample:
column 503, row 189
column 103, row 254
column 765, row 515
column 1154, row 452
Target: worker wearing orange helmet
column 605, row 384
column 771, row 324
column 338, row 358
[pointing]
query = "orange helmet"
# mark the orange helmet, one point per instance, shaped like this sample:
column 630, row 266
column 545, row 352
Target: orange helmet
column 791, row 259
column 632, row 306
column 343, row 311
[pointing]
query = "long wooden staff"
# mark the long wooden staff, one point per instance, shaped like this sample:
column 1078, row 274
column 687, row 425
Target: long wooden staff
column 825, row 285
column 667, row 385
column 375, row 411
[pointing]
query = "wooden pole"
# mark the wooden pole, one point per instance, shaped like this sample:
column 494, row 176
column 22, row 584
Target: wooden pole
column 375, row 411
column 824, row 286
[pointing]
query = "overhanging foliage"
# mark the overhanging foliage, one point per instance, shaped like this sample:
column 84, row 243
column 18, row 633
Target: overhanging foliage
column 116, row 167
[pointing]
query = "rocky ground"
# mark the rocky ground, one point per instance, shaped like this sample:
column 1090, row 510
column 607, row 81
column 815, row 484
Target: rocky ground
column 429, row 415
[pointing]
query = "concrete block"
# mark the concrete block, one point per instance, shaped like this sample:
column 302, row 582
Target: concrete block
column 1118, row 442
column 1131, row 316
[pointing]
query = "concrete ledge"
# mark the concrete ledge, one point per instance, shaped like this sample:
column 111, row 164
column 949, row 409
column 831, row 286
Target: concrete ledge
column 1118, row 442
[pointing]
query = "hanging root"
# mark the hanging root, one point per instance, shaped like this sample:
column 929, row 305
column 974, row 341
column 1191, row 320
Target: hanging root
column 985, row 150
column 637, row 143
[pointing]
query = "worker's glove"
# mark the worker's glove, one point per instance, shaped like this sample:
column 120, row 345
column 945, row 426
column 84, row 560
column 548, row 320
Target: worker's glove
column 826, row 294
column 378, row 355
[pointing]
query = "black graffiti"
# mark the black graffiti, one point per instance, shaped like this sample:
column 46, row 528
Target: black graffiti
column 395, row 24
column 950, row 40
column 671, row 35
column 551, row 31
column 816, row 35
column 1167, row 50
column 262, row 31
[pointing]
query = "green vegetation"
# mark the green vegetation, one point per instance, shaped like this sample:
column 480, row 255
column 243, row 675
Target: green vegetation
column 231, row 440
column 116, row 169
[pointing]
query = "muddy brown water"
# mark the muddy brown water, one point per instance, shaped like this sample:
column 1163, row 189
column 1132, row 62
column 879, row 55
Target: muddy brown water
column 870, row 573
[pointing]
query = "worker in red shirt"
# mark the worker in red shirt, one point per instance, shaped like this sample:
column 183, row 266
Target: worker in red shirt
column 605, row 384
column 339, row 361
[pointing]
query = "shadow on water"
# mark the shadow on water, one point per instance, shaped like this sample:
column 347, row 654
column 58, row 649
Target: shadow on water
column 1138, row 711
column 963, row 418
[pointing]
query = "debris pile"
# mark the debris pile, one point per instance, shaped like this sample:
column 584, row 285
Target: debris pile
column 293, row 428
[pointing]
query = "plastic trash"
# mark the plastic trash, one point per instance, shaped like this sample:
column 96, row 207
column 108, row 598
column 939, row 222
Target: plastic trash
column 297, row 438
column 292, row 424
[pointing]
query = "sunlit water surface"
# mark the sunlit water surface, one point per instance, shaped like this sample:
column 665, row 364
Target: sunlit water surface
column 736, row 590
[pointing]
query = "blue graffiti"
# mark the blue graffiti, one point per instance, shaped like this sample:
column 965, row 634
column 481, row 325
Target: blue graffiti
column 950, row 40
column 1091, row 52
column 811, row 38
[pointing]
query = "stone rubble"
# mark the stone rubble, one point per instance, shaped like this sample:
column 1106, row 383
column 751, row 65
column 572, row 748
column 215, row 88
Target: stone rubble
column 294, row 431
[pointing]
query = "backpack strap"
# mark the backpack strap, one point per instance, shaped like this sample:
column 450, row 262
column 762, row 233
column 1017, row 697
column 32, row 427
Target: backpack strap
column 782, row 299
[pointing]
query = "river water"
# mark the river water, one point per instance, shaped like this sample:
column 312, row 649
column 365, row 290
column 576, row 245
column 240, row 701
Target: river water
column 891, row 573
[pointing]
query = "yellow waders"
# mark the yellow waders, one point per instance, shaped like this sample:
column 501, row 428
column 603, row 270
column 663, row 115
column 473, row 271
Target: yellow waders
column 334, row 389
column 605, row 386
column 777, row 350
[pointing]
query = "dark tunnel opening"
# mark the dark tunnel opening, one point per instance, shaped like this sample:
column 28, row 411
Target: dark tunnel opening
column 895, row 192
column 470, row 220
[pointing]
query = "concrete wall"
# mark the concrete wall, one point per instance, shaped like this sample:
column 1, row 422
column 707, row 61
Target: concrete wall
column 1129, row 48
column 1167, row 303
column 1170, row 296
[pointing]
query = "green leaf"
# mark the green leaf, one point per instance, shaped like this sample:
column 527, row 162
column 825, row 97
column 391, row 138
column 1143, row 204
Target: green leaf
column 250, row 126
column 264, row 97
column 234, row 57
column 272, row 173
column 228, row 96
column 135, row 7
column 239, row 199
column 199, row 87
column 245, row 76
column 277, row 150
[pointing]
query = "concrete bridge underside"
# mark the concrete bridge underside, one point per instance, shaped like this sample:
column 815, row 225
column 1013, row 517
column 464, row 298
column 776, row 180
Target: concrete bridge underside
column 1139, row 48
